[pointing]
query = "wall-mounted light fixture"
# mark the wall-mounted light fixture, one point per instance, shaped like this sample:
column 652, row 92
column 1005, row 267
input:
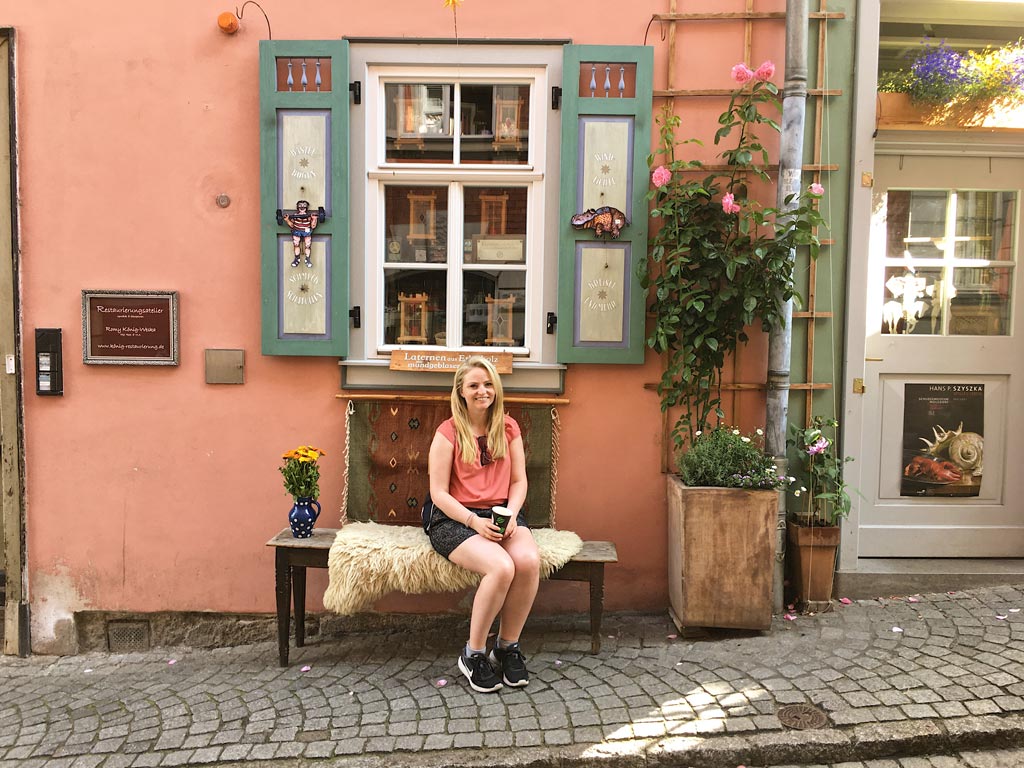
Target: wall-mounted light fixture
column 228, row 22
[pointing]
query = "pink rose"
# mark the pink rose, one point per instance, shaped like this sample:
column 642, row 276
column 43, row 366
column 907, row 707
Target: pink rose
column 817, row 189
column 765, row 71
column 741, row 73
column 661, row 176
column 729, row 204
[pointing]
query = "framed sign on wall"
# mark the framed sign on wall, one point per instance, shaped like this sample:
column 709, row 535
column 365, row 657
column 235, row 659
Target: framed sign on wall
column 130, row 327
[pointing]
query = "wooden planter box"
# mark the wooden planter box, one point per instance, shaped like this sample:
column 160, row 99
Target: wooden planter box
column 721, row 556
column 896, row 111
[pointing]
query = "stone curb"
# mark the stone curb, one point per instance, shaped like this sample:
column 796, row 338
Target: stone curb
column 834, row 745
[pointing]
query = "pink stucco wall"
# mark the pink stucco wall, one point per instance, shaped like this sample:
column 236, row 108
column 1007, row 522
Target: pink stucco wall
column 148, row 489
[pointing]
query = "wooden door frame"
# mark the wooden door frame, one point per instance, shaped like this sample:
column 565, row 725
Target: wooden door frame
column 12, row 457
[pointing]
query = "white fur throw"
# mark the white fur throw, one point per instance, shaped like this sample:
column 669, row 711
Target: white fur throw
column 369, row 560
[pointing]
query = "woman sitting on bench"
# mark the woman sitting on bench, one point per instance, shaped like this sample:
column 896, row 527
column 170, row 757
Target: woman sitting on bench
column 476, row 462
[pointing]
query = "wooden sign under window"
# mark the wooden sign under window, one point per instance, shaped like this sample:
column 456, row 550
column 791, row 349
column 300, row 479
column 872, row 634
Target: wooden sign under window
column 444, row 362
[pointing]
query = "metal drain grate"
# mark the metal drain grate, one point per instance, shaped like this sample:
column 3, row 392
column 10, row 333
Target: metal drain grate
column 802, row 716
column 127, row 636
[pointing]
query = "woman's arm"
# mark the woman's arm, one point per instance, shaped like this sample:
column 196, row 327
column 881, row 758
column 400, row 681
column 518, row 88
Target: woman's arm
column 517, row 483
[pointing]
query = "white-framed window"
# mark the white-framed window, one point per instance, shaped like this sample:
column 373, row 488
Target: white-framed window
column 455, row 190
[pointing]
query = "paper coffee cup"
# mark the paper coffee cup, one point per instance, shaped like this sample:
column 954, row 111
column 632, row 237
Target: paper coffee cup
column 500, row 517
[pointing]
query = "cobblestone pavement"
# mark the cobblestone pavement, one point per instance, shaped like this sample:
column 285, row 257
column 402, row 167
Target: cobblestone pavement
column 933, row 675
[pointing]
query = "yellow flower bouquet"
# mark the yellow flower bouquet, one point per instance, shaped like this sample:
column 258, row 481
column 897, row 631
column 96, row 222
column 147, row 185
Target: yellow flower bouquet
column 301, row 472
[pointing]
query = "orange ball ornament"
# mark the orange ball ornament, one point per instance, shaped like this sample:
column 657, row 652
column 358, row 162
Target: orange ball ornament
column 228, row 23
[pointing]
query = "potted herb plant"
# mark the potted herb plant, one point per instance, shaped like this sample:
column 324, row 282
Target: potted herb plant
column 942, row 87
column 823, row 500
column 719, row 265
column 723, row 507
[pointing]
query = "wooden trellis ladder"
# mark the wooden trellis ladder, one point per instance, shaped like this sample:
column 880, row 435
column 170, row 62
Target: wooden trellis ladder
column 816, row 168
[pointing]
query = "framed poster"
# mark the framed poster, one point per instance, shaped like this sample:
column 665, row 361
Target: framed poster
column 130, row 327
column 943, row 443
column 498, row 249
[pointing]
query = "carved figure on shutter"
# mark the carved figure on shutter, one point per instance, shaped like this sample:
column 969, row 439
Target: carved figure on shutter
column 601, row 220
column 302, row 224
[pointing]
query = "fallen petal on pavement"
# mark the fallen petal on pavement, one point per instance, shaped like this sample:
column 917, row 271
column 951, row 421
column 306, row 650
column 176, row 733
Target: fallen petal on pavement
column 845, row 600
column 897, row 629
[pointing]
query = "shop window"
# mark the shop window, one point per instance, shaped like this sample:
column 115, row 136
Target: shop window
column 453, row 185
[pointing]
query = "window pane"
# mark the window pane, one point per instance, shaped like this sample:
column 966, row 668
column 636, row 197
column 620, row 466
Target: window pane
column 915, row 223
column 419, row 123
column 494, row 308
column 981, row 306
column 414, row 306
column 495, row 123
column 495, row 225
column 415, row 224
column 984, row 225
column 913, row 301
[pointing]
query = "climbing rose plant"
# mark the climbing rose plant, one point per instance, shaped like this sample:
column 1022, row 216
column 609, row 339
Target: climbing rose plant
column 719, row 261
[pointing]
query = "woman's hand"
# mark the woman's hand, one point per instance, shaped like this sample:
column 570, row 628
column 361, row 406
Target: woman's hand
column 486, row 528
column 511, row 527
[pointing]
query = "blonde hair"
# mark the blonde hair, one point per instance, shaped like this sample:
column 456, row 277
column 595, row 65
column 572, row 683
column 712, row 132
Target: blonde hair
column 496, row 442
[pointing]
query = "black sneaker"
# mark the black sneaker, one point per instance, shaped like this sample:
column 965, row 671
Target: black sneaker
column 512, row 664
column 479, row 672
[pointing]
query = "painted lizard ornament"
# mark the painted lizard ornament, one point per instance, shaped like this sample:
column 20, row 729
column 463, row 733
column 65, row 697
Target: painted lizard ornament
column 601, row 220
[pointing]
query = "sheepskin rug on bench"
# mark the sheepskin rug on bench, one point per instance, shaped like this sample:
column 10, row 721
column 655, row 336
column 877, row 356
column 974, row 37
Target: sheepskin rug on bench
column 369, row 560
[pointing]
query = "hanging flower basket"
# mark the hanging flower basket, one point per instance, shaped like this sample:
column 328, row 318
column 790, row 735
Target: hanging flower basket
column 944, row 88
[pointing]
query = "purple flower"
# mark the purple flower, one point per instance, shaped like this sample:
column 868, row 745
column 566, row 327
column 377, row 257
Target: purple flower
column 818, row 446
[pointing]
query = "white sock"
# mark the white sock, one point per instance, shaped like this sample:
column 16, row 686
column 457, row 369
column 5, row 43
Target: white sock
column 471, row 651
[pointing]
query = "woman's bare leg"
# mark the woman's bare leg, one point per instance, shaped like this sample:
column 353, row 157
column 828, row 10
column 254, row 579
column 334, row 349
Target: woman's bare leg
column 495, row 564
column 522, row 550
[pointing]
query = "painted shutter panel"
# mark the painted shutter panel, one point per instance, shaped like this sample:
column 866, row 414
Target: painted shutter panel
column 304, row 130
column 607, row 102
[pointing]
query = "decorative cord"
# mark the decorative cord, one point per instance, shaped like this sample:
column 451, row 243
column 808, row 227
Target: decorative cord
column 556, row 427
column 349, row 412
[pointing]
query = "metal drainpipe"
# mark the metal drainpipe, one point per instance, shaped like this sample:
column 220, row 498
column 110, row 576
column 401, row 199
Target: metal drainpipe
column 781, row 336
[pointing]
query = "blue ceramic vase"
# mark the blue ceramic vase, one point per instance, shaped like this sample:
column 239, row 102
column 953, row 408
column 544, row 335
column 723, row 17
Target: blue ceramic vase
column 302, row 517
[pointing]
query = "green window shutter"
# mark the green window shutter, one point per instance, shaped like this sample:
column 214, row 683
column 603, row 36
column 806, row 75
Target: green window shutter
column 607, row 102
column 304, row 130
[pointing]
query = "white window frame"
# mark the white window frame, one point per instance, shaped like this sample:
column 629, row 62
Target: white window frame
column 379, row 64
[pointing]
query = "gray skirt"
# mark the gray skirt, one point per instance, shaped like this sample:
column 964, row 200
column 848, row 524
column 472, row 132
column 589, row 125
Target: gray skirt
column 446, row 534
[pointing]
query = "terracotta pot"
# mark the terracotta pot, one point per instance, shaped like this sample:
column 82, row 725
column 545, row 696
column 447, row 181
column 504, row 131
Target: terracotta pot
column 813, row 553
column 721, row 555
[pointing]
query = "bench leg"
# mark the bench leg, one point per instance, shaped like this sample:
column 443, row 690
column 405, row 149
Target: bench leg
column 283, row 591
column 299, row 592
column 596, row 605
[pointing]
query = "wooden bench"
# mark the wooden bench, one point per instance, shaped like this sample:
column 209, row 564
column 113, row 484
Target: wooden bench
column 293, row 556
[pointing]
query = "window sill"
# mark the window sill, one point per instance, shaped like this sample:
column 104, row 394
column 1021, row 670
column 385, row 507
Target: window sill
column 375, row 374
